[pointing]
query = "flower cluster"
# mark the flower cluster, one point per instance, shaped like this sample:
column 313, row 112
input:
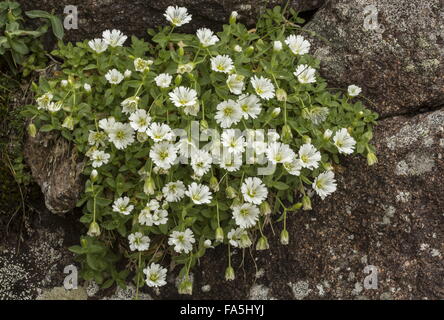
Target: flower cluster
column 192, row 143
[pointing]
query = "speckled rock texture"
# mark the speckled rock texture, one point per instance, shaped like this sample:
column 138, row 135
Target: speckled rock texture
column 135, row 16
column 397, row 59
column 57, row 168
column 390, row 215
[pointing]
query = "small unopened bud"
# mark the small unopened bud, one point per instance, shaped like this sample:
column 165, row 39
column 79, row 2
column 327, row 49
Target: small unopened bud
column 249, row 50
column 231, row 192
column 229, row 274
column 295, row 207
column 306, row 203
column 178, row 80
column 237, row 48
column 83, row 242
column 281, row 94
column 94, row 175
column 142, row 137
column 68, row 123
column 327, row 134
column 94, row 229
column 214, row 184
column 262, row 244
column 180, row 51
column 286, row 135
column 275, row 112
column 233, row 17
column 371, row 158
column 203, row 124
column 284, row 237
column 306, row 139
column 64, row 83
column 219, row 236
column 87, row 87
column 264, row 208
column 277, row 46
column 32, row 130
column 127, row 73
column 186, row 287
column 207, row 244
column 149, row 187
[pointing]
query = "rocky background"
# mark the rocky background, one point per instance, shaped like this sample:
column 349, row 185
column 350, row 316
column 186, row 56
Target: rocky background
column 390, row 215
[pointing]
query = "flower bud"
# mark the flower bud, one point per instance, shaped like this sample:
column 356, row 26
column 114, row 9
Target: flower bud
column 286, row 135
column 32, row 130
column 275, row 112
column 327, row 134
column 306, row 203
column 249, row 50
column 186, row 286
column 237, row 48
column 233, row 17
column 87, row 87
column 306, row 139
column 142, row 137
column 229, row 274
column 231, row 192
column 149, row 186
column 64, row 83
column 127, row 73
column 371, row 158
column 180, row 51
column 214, row 184
column 219, row 234
column 94, row 229
column 262, row 243
column 277, row 46
column 281, row 94
column 93, row 176
column 203, row 124
column 284, row 237
column 245, row 241
column 264, row 208
column 83, row 242
column 68, row 123
column 178, row 80
column 295, row 207
column 207, row 244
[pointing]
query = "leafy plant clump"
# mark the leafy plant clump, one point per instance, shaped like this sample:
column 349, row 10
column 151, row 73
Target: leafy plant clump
column 196, row 141
column 22, row 50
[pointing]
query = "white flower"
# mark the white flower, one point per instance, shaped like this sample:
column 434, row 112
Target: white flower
column 253, row 190
column 55, row 106
column 160, row 131
column 99, row 158
column 163, row 154
column 64, row 83
column 327, row 134
column 305, row 74
column 96, row 138
column 316, row 115
column 353, row 90
column 138, row 241
column 297, row 44
column 142, row 65
column 182, row 241
column 246, row 215
column 107, row 124
column 309, row 156
column 294, row 167
column 230, row 162
column 87, row 87
column 192, row 110
column 235, row 83
column 185, row 68
column 201, row 162
column 178, row 16
column 273, row 136
column 275, row 112
column 114, row 76
column 44, row 100
column 228, row 113
column 163, row 80
column 185, row 147
column 325, row 184
column 222, row 64
column 148, row 218
column 263, row 86
column 250, row 106
column 237, row 48
column 183, row 96
column 279, row 153
column 199, row 193
column 114, row 38
column 98, row 45
column 206, row 37
column 155, row 275
column 239, row 238
column 130, row 105
column 140, row 120
column 344, row 141
column 127, row 74
column 174, row 191
column 233, row 142
column 122, row 135
column 121, row 205
column 277, row 45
